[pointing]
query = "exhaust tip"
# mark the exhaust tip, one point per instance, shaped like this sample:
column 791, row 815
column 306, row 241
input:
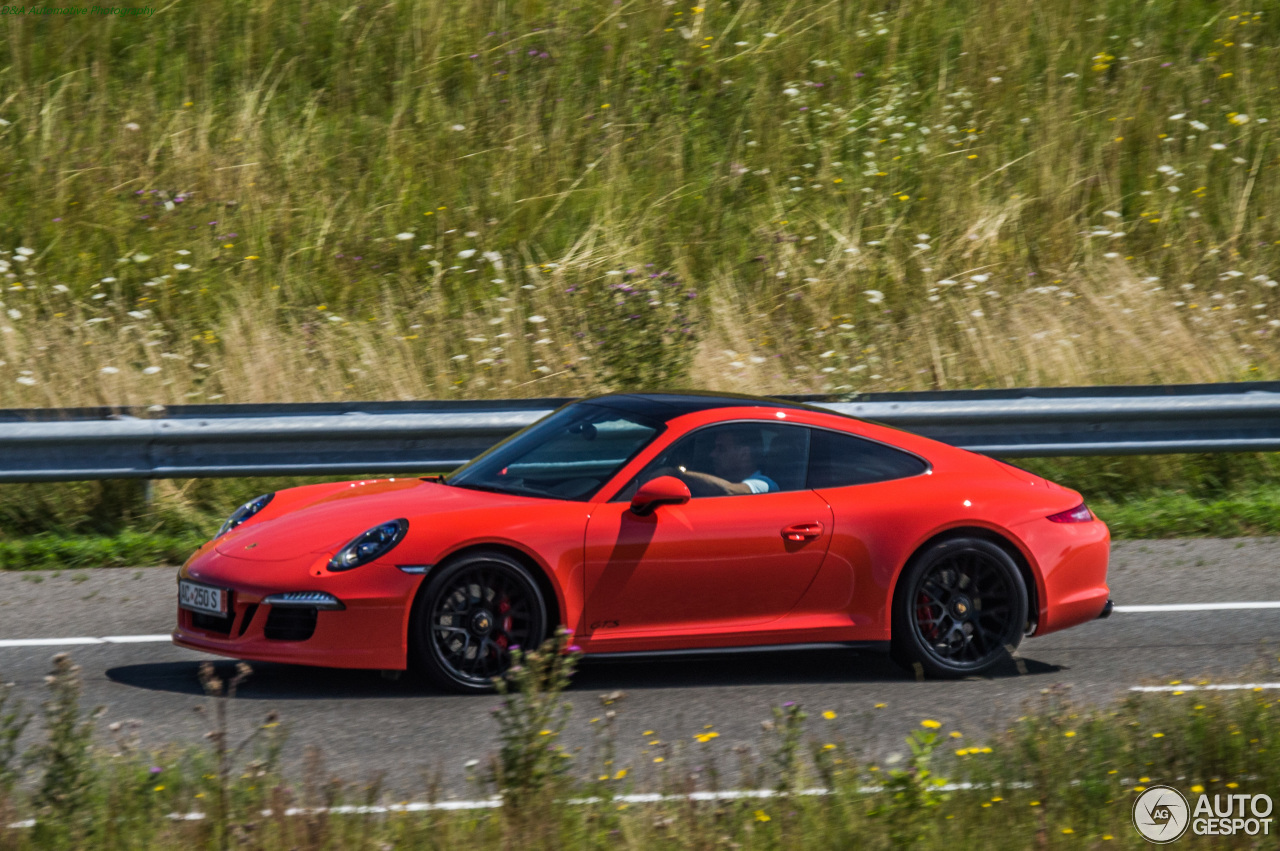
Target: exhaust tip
column 1106, row 610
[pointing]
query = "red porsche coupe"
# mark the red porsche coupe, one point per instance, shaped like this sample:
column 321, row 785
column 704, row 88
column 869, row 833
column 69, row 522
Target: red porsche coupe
column 656, row 523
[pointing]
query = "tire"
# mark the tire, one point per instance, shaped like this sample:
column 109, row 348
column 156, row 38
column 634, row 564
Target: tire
column 959, row 609
column 470, row 614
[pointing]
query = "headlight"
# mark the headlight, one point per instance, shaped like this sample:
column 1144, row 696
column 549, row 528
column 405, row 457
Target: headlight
column 244, row 512
column 370, row 545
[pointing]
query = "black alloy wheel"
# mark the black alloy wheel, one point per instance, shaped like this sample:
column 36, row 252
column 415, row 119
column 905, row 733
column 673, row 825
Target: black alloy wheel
column 959, row 610
column 471, row 614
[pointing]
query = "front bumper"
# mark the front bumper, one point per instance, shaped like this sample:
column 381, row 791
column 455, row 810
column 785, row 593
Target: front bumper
column 371, row 631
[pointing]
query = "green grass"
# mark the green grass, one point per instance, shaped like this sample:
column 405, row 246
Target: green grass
column 129, row 548
column 210, row 202
column 1063, row 775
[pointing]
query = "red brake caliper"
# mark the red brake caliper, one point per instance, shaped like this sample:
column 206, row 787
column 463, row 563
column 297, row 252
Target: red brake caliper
column 924, row 616
column 505, row 620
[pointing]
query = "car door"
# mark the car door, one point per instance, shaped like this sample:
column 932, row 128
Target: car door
column 718, row 562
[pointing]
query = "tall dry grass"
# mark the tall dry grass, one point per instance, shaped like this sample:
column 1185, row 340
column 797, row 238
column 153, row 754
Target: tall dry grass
column 383, row 201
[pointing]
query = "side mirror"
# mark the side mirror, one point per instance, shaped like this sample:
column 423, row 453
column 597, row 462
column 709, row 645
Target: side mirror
column 664, row 490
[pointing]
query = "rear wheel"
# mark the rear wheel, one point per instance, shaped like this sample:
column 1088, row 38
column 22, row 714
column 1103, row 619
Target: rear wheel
column 960, row 609
column 474, row 610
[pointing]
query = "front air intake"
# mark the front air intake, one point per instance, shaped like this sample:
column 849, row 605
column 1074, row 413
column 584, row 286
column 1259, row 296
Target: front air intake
column 290, row 624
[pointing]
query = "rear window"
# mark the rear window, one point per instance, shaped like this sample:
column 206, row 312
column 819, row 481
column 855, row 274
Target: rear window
column 839, row 460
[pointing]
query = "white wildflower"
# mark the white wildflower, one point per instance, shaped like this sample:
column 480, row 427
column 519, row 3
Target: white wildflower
column 537, row 320
column 24, row 251
column 459, row 127
column 1199, row 125
column 184, row 252
column 467, row 253
column 1111, row 214
column 109, row 370
column 1178, row 117
column 981, row 279
column 14, row 313
column 977, row 314
column 791, row 92
column 182, row 267
column 404, row 236
column 874, row 296
column 26, row 381
column 141, row 258
column 1239, row 119
column 770, row 35
column 151, row 370
column 1218, row 146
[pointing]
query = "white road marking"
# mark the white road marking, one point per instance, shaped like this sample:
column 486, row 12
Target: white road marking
column 1196, row 607
column 491, row 803
column 68, row 642
column 1222, row 687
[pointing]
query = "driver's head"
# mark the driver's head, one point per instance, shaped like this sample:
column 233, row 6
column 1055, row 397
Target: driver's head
column 736, row 453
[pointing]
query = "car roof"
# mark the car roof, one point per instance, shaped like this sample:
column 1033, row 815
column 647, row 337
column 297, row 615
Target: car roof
column 668, row 406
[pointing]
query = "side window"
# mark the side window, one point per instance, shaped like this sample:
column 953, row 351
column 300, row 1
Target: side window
column 764, row 456
column 838, row 460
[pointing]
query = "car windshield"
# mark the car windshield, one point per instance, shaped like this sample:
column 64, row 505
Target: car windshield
column 570, row 454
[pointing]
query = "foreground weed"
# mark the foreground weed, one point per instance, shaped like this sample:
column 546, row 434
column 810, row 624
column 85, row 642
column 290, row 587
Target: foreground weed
column 912, row 792
column 68, row 772
column 787, row 728
column 531, row 766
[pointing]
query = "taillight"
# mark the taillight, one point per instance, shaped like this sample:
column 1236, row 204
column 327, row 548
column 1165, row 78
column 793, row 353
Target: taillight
column 1079, row 514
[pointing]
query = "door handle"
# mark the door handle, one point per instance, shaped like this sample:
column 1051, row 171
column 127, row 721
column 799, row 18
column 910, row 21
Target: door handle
column 802, row 531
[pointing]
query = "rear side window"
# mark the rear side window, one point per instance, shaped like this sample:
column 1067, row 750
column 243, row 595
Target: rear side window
column 839, row 460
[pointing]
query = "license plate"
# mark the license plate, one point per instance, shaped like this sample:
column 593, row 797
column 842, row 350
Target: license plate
column 202, row 598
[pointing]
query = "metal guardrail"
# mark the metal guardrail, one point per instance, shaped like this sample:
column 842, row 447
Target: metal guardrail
column 393, row 437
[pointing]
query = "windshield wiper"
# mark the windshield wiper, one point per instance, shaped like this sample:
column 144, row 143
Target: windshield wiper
column 513, row 491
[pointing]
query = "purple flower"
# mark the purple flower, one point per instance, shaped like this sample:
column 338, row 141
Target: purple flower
column 1165, row 64
column 474, row 56
column 58, row 219
column 544, row 55
column 788, row 704
column 859, row 74
column 573, row 648
column 155, row 769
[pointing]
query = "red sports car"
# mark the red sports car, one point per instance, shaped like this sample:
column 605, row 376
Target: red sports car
column 653, row 523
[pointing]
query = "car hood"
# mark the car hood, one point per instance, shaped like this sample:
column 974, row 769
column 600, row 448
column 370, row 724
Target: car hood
column 326, row 517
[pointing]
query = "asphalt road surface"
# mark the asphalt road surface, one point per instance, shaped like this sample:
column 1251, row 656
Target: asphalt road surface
column 364, row 724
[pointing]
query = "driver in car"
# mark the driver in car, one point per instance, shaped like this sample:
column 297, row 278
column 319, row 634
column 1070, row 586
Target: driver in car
column 735, row 462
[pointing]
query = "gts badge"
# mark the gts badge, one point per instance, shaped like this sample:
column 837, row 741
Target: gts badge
column 604, row 625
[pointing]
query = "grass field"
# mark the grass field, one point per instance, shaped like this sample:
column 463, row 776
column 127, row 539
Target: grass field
column 289, row 201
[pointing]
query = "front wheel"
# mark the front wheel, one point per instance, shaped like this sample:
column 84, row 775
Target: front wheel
column 473, row 611
column 960, row 609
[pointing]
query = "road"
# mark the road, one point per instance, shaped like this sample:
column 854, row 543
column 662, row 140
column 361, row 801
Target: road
column 364, row 724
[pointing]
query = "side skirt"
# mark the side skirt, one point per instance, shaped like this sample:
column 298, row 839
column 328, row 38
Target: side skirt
column 711, row 652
